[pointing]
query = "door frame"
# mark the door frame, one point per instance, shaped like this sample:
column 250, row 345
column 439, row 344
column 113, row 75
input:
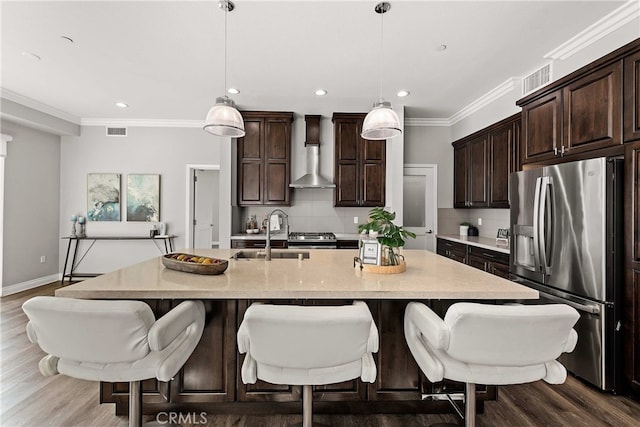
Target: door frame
column 435, row 186
column 191, row 168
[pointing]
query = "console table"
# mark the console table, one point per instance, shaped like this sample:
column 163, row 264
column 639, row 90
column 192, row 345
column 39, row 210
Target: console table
column 75, row 240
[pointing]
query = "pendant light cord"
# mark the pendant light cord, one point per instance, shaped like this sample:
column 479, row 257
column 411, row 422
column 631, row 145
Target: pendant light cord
column 381, row 50
column 226, row 11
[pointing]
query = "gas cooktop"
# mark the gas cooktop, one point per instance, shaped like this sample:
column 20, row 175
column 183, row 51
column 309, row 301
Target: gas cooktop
column 307, row 236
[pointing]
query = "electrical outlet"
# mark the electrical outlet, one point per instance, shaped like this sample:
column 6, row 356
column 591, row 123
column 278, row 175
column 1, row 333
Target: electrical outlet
column 43, row 259
column 479, row 221
column 355, row 220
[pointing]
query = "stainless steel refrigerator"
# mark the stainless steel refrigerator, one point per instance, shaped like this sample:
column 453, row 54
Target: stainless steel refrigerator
column 567, row 243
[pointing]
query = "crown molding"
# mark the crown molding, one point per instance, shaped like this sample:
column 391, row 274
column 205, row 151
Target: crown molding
column 611, row 22
column 417, row 122
column 149, row 123
column 38, row 106
column 485, row 99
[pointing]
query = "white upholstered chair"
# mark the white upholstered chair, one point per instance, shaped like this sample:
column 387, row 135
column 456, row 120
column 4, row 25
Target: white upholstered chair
column 308, row 345
column 113, row 340
column 491, row 344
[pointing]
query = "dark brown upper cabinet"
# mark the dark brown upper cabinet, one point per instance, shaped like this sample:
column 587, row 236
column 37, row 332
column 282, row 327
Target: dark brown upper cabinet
column 504, row 141
column 592, row 107
column 264, row 159
column 632, row 97
column 470, row 173
column 482, row 164
column 360, row 164
column 542, row 128
column 588, row 113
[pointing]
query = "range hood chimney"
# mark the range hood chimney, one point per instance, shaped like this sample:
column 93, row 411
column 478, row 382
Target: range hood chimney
column 312, row 179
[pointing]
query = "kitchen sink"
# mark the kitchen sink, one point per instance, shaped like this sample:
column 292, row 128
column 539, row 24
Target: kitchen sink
column 274, row 255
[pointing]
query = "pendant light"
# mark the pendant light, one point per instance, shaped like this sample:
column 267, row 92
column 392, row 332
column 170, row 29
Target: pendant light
column 381, row 122
column 223, row 118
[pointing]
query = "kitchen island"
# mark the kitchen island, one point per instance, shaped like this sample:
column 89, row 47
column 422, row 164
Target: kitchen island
column 210, row 379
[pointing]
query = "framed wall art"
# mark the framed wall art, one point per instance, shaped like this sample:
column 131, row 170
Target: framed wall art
column 143, row 197
column 103, row 197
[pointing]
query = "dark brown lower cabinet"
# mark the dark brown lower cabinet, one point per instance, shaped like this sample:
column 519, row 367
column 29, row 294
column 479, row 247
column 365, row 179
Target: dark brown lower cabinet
column 632, row 267
column 211, row 380
column 493, row 262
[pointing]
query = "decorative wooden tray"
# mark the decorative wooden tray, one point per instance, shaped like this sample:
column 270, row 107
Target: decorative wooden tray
column 191, row 263
column 385, row 269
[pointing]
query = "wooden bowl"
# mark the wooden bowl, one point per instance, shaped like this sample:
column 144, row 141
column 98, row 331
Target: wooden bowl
column 218, row 266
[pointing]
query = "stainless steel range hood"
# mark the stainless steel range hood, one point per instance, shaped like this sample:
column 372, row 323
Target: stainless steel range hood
column 312, row 179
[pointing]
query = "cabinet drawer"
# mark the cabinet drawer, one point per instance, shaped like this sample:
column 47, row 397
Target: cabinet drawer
column 489, row 255
column 454, row 250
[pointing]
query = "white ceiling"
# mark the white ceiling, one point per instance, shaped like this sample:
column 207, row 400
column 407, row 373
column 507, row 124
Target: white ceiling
column 165, row 58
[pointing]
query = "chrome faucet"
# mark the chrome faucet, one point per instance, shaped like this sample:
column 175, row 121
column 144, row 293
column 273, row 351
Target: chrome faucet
column 267, row 247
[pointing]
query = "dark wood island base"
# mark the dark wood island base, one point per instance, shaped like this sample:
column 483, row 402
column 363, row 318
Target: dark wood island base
column 210, row 380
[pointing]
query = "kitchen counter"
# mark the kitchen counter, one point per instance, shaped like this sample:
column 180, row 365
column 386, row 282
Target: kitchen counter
column 482, row 242
column 209, row 381
column 327, row 274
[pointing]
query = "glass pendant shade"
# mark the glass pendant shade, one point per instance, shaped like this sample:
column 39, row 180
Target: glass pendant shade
column 224, row 119
column 381, row 122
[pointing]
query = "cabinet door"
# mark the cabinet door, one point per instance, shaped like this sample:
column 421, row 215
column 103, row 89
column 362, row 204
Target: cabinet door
column 460, row 180
column 478, row 177
column 501, row 145
column 542, row 128
column 478, row 262
column 205, row 375
column 632, row 267
column 499, row 269
column 347, row 138
column 398, row 377
column 593, row 111
column 250, row 165
column 277, row 149
column 373, row 155
column 632, row 97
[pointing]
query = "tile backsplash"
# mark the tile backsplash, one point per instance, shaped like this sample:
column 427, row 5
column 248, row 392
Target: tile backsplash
column 449, row 220
column 310, row 210
column 313, row 210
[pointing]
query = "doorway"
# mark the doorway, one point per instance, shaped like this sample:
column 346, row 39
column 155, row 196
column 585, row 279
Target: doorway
column 420, row 205
column 203, row 206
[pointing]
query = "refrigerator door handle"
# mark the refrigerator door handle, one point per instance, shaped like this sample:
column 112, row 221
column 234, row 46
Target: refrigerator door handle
column 545, row 232
column 536, row 224
column 588, row 308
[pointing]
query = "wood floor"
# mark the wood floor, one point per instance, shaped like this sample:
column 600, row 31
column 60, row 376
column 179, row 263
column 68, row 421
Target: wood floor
column 29, row 399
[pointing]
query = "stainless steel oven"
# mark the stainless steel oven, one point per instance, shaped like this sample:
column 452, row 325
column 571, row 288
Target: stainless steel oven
column 312, row 240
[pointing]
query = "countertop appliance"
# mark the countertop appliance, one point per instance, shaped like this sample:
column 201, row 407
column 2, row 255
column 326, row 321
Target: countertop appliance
column 567, row 243
column 312, row 240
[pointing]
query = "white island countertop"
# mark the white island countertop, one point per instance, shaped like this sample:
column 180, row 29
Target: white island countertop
column 327, row 274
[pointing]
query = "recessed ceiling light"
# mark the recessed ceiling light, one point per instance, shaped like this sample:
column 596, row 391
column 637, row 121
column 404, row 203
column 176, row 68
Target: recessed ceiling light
column 441, row 48
column 402, row 93
column 30, row 55
column 233, row 91
column 67, row 39
column 321, row 92
column 122, row 105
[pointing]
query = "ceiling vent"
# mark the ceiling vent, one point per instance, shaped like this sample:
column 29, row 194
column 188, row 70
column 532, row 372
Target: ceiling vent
column 536, row 80
column 113, row 131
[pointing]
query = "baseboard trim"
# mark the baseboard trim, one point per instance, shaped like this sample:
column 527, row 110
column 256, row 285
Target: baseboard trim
column 29, row 284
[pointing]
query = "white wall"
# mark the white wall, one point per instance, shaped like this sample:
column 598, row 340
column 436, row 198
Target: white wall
column 164, row 151
column 31, row 207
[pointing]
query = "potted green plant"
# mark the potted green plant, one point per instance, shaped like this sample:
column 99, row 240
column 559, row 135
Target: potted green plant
column 390, row 236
